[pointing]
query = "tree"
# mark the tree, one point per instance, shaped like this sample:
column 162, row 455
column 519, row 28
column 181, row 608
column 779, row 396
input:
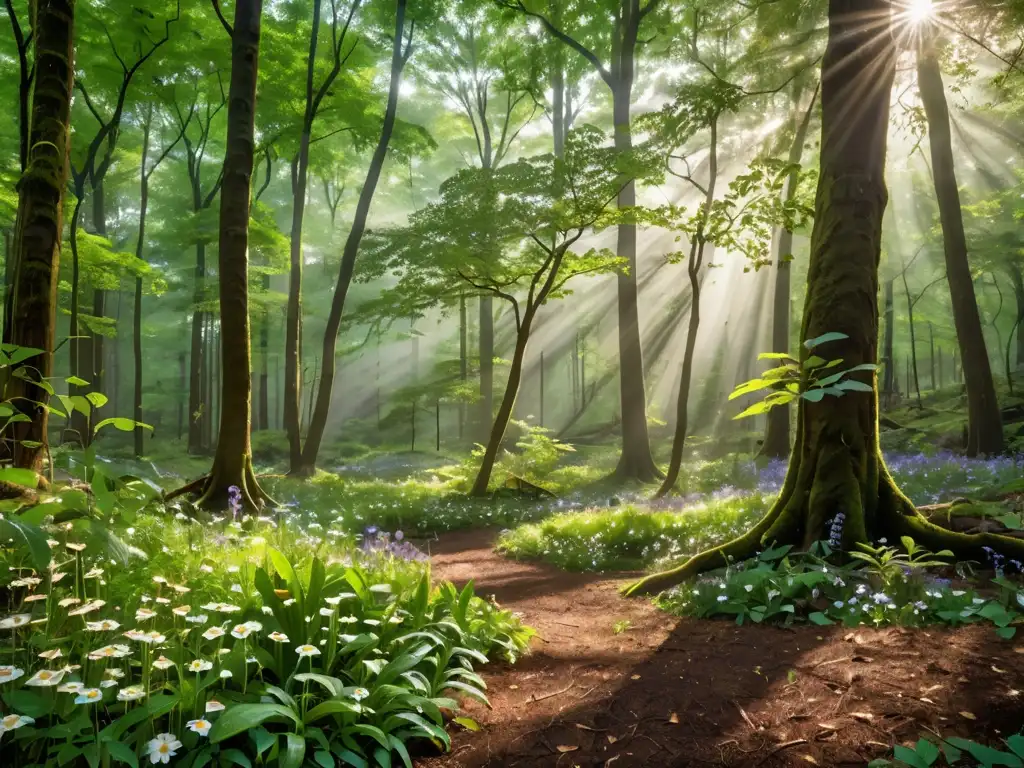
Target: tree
column 617, row 69
column 145, row 173
column 39, row 223
column 314, row 97
column 492, row 79
column 836, row 464
column 401, row 51
column 232, row 463
column 532, row 212
column 985, row 426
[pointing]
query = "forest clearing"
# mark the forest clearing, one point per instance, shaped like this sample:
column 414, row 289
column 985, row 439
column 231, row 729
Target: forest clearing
column 462, row 383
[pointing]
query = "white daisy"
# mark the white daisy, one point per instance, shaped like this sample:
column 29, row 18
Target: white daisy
column 162, row 748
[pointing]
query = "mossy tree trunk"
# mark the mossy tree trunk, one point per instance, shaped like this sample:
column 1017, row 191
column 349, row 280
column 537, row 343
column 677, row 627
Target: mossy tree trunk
column 232, row 464
column 985, row 426
column 38, row 226
column 888, row 361
column 836, row 464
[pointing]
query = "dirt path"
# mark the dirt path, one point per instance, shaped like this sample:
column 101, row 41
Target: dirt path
column 679, row 692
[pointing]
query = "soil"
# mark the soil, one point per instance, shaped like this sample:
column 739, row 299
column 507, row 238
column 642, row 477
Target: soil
column 681, row 692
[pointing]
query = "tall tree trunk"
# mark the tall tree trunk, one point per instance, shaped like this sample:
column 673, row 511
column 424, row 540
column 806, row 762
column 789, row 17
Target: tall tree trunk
column 776, row 436
column 693, row 267
column 79, row 424
column 985, row 426
column 318, row 423
column 264, row 390
column 137, row 318
column 232, row 464
column 1017, row 279
column 182, row 385
column 931, row 350
column 485, row 410
column 293, row 321
column 888, row 360
column 635, row 461
column 463, row 362
column 836, row 464
column 39, row 220
column 96, row 339
column 196, row 371
column 913, row 342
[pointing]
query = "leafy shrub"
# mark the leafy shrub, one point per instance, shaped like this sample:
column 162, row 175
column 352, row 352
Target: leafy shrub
column 881, row 586
column 238, row 654
column 926, row 753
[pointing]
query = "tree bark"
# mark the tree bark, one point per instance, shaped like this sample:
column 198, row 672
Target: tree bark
column 293, row 318
column 264, row 391
column 1017, row 279
column 888, row 360
column 232, row 464
column 485, row 410
column 636, row 461
column 776, row 436
column 318, row 423
column 38, row 224
column 137, row 318
column 463, row 361
column 985, row 427
column 913, row 343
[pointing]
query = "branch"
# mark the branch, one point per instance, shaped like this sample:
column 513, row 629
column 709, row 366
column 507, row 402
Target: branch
column 332, row 133
column 586, row 53
column 223, row 21
column 88, row 102
column 496, row 291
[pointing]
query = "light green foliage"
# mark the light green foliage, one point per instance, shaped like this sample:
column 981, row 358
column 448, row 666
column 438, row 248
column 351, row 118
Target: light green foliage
column 631, row 537
column 538, row 455
column 808, row 380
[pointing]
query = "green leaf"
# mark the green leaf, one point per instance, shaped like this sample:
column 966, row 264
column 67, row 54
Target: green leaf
column 1006, row 632
column 926, row 750
column 76, row 382
column 813, row 395
column 468, row 723
column 852, row 385
column 122, row 753
column 824, row 339
column 98, row 399
column 242, row 717
column 399, row 746
column 324, row 758
column 294, row 751
column 1016, row 744
column 909, row 756
column 15, row 476
column 235, row 757
column 262, row 739
column 122, row 424
column 31, row 538
column 813, row 362
column 820, row 619
column 347, row 756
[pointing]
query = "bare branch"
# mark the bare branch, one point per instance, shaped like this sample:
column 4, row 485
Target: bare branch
column 223, row 21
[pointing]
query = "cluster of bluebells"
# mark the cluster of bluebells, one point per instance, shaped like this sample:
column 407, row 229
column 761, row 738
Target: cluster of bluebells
column 999, row 563
column 377, row 542
column 235, row 501
column 835, row 533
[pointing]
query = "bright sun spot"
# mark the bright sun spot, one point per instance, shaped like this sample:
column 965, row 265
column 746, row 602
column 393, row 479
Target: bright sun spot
column 920, row 11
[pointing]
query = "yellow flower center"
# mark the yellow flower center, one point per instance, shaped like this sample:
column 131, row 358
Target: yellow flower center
column 6, row 672
column 93, row 694
column 45, row 675
column 164, row 748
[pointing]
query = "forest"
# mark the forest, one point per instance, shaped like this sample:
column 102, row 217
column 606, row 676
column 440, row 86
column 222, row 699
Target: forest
column 540, row 383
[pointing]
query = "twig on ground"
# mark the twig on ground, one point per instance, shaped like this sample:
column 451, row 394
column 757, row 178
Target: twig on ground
column 781, row 747
column 745, row 716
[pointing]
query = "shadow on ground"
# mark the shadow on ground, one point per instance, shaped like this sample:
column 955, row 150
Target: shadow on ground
column 672, row 692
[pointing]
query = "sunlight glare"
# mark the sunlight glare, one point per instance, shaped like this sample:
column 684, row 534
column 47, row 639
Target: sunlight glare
column 920, row 11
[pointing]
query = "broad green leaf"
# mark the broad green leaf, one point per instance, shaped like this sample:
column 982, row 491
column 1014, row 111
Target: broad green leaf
column 122, row 753
column 15, row 476
column 122, row 424
column 242, row 717
column 824, row 339
column 294, row 751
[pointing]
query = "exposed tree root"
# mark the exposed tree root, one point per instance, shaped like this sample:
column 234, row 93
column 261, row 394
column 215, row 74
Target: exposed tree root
column 212, row 491
column 793, row 520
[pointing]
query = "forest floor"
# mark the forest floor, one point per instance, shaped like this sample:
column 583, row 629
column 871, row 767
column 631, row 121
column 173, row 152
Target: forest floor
column 681, row 692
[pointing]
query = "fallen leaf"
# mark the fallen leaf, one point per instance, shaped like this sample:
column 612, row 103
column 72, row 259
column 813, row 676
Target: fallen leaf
column 673, row 718
column 826, row 726
column 563, row 748
column 926, row 700
column 862, row 716
column 877, row 744
column 849, row 636
column 583, row 727
column 611, row 739
column 809, row 759
column 968, row 715
column 634, row 677
column 513, row 687
column 611, row 760
column 931, row 688
column 1019, row 649
column 997, row 670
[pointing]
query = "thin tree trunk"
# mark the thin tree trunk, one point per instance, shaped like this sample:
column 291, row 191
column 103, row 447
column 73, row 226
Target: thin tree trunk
column 197, row 370
column 776, row 436
column 931, row 351
column 182, row 384
column 232, row 464
column 463, row 362
column 38, row 224
column 913, row 342
column 1017, row 279
column 399, row 57
column 985, row 426
column 264, row 394
column 485, row 411
column 695, row 262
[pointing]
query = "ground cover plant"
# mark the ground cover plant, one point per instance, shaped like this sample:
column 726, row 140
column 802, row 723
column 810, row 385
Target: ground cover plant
column 247, row 640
